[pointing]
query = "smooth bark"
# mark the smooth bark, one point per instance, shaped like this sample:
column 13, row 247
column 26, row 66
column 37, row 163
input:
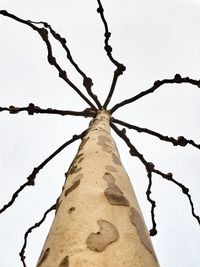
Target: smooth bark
column 98, row 222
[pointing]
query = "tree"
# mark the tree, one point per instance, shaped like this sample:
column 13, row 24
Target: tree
column 156, row 164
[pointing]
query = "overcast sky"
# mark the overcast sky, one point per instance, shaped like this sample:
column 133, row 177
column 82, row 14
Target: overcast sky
column 154, row 39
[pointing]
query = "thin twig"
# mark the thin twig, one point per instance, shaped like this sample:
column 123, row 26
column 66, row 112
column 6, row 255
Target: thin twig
column 22, row 252
column 177, row 79
column 149, row 165
column 51, row 59
column 31, row 178
column 180, row 141
column 32, row 109
column 153, row 230
column 108, row 48
column 87, row 81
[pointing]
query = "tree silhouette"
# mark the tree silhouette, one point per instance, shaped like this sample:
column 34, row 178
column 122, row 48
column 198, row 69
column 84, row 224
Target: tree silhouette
column 46, row 32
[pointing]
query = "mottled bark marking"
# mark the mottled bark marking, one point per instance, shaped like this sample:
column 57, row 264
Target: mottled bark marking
column 78, row 170
column 64, row 262
column 99, row 241
column 116, row 160
column 111, row 168
column 58, row 202
column 74, row 166
column 80, row 160
column 43, row 257
column 113, row 194
column 84, row 141
column 71, row 210
column 138, row 222
column 71, row 188
column 103, row 140
column 77, row 177
column 108, row 146
column 110, row 179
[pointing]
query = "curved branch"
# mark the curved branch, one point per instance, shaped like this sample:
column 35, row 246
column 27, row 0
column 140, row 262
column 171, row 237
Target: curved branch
column 108, row 48
column 177, row 79
column 22, row 252
column 87, row 81
column 51, row 59
column 32, row 109
column 150, row 167
column 180, row 141
column 153, row 230
column 31, row 178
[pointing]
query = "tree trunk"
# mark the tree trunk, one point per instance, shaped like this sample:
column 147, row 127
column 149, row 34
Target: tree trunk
column 98, row 222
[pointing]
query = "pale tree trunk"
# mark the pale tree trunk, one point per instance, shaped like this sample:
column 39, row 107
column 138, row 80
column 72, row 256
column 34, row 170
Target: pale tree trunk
column 98, row 221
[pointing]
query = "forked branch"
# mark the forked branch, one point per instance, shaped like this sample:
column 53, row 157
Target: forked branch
column 51, row 59
column 157, row 84
column 87, row 81
column 31, row 178
column 151, row 168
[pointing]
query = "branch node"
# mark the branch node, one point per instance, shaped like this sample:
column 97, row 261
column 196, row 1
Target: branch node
column 63, row 74
column 4, row 12
column 153, row 232
column 157, row 83
column 31, row 109
column 185, row 190
column 100, row 9
column 107, row 34
column 182, row 141
column 178, row 78
column 108, row 48
column 120, row 69
column 13, row 110
column 150, row 166
column 87, row 82
column 169, row 176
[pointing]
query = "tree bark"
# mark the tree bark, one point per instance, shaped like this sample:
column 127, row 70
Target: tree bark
column 98, row 222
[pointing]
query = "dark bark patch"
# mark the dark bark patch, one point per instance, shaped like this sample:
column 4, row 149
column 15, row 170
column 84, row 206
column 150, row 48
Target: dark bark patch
column 103, row 140
column 71, row 210
column 110, row 179
column 78, row 170
column 80, row 160
column 77, row 177
column 73, row 169
column 43, row 257
column 115, row 196
column 71, row 188
column 107, row 234
column 58, row 202
column 116, row 160
column 64, row 262
column 111, row 168
column 138, row 222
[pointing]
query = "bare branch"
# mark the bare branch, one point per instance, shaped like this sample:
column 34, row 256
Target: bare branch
column 32, row 109
column 51, row 59
column 31, row 178
column 22, row 252
column 120, row 67
column 177, row 79
column 87, row 81
column 153, row 230
column 150, row 167
column 180, row 141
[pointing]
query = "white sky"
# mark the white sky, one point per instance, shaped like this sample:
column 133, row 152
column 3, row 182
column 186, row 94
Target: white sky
column 155, row 39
